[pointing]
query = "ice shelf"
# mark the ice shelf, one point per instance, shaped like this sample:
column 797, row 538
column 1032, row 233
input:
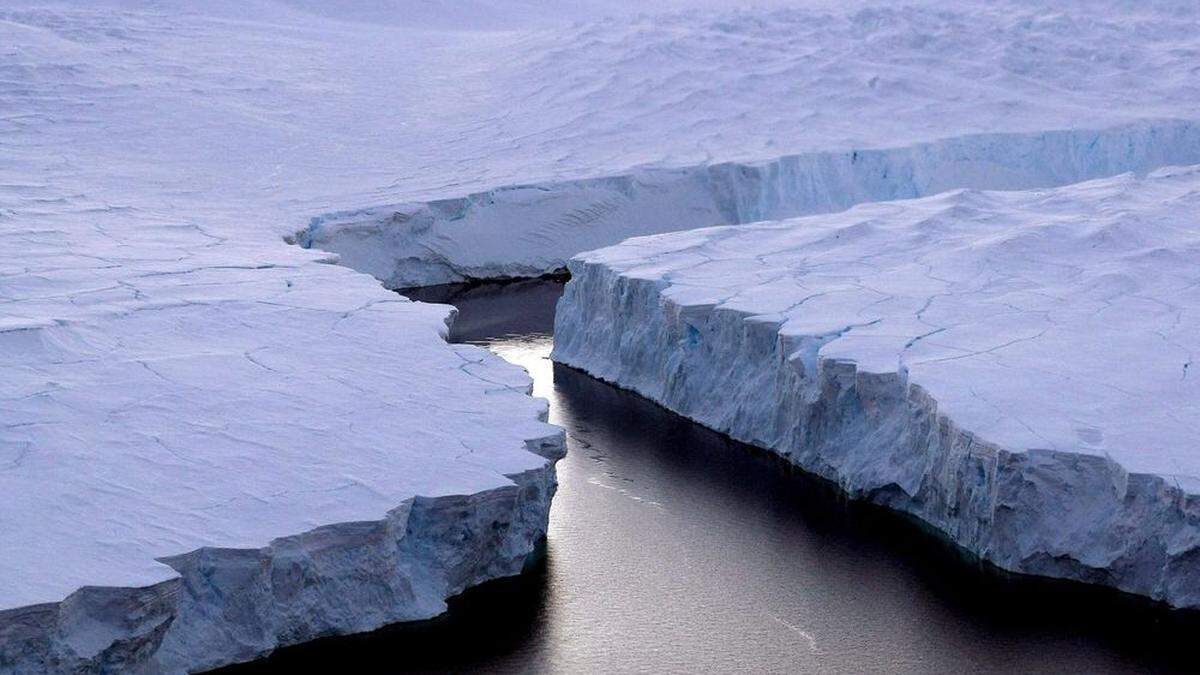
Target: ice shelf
column 201, row 460
column 636, row 126
column 213, row 443
column 531, row 230
column 1013, row 368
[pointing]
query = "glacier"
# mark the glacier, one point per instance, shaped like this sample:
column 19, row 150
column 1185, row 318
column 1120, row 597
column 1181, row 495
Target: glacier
column 1014, row 369
column 213, row 443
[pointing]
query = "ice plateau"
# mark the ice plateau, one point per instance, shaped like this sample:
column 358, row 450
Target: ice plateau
column 213, row 443
column 654, row 124
column 1013, row 368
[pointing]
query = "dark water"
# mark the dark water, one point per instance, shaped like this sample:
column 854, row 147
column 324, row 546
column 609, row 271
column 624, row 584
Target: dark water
column 672, row 549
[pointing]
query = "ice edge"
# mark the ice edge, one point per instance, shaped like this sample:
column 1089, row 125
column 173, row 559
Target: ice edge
column 230, row 605
column 1133, row 532
column 523, row 231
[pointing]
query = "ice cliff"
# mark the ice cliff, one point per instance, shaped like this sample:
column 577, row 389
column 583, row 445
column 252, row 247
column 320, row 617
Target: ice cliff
column 1012, row 368
column 202, row 462
column 530, row 230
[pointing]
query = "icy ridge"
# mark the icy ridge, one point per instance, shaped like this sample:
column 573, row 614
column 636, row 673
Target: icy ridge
column 530, row 230
column 798, row 338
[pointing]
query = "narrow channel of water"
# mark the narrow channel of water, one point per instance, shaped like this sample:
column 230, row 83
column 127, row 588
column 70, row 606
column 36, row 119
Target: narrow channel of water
column 673, row 549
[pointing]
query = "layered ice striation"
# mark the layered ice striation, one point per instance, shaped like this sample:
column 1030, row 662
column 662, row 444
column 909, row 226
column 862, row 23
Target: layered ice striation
column 1015, row 369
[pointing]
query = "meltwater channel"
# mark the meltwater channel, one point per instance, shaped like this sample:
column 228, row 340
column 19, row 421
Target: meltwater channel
column 675, row 550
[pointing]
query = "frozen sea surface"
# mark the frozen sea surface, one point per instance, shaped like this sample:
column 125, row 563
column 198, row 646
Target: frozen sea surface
column 1014, row 368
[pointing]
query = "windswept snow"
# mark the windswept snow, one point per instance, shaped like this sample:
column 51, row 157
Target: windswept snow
column 1014, row 368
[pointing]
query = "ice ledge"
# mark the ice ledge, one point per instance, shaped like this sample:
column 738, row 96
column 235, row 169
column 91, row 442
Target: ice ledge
column 1011, row 368
column 531, row 230
column 208, row 461
column 232, row 605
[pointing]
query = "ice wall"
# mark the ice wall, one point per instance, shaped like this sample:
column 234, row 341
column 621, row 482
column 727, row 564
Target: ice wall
column 530, row 230
column 231, row 605
column 1010, row 368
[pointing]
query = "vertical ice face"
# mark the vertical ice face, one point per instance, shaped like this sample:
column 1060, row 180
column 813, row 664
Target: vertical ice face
column 227, row 605
column 527, row 231
column 1011, row 368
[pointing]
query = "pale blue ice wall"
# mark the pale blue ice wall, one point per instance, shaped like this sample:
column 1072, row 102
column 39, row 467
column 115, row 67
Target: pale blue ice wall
column 528, row 230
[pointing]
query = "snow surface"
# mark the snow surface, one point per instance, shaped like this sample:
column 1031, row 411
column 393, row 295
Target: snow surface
column 1015, row 368
column 172, row 391
column 175, row 376
column 653, row 124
